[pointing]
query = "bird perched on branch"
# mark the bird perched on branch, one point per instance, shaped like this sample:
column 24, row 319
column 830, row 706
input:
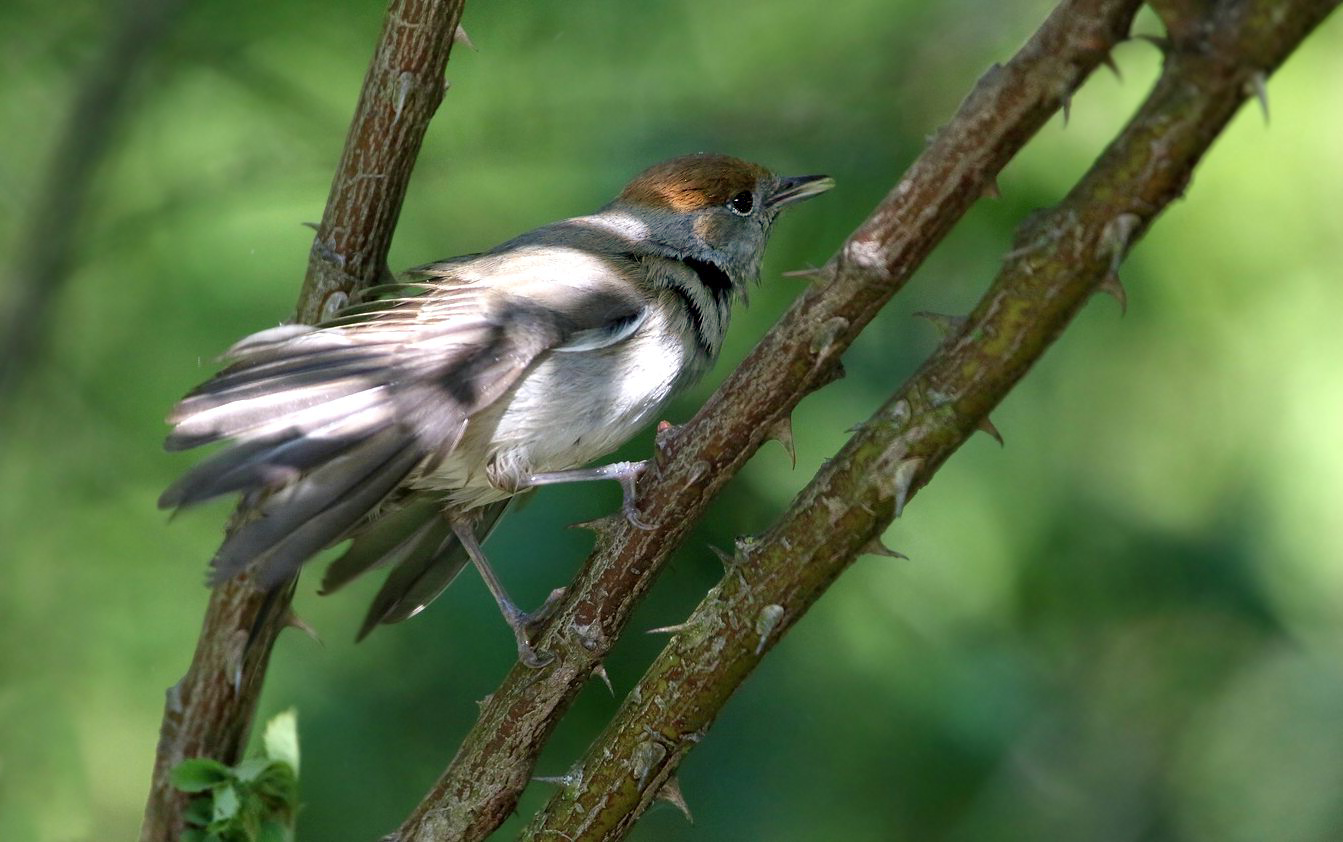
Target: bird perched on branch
column 409, row 421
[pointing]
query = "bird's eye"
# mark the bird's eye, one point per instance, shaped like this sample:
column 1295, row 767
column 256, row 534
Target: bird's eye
column 742, row 203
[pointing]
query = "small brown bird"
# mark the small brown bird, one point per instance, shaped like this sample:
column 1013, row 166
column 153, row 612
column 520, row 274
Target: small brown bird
column 410, row 421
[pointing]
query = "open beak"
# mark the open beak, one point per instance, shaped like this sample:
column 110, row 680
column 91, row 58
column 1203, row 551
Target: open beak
column 797, row 188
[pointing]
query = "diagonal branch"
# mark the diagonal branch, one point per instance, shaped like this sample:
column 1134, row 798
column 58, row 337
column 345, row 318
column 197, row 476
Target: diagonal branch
column 799, row 355
column 1061, row 258
column 209, row 711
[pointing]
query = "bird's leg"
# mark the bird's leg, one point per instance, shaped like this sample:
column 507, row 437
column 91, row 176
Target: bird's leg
column 625, row 473
column 518, row 621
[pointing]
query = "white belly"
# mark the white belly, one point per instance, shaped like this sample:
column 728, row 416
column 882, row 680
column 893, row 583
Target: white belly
column 569, row 410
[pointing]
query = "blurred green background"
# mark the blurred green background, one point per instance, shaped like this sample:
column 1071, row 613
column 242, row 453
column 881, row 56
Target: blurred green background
column 1126, row 625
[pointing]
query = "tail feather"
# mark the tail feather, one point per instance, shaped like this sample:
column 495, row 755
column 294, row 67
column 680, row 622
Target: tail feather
column 421, row 576
column 386, row 541
column 314, row 512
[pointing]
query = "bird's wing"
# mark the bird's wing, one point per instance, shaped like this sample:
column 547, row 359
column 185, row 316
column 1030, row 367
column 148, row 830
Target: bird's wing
column 326, row 422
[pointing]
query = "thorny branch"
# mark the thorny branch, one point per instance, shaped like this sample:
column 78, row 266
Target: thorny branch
column 800, row 354
column 209, row 711
column 1218, row 54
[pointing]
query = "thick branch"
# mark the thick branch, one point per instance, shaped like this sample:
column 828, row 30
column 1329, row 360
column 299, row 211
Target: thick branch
column 800, row 354
column 209, row 712
column 1061, row 258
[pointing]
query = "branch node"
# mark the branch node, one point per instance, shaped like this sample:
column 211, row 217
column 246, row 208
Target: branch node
column 1116, row 238
column 647, row 756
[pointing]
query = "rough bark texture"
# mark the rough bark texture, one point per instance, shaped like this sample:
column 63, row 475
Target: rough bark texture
column 480, row 788
column 1060, row 259
column 209, row 712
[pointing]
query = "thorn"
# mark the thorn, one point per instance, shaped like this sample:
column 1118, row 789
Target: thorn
column 294, row 621
column 564, row 781
column 603, row 526
column 904, row 479
column 876, row 547
column 670, row 791
column 810, row 273
column 946, row 325
column 460, row 37
column 765, row 623
column 1109, row 61
column 782, row 432
column 729, row 561
column 676, row 629
column 313, row 225
column 600, row 672
column 1067, row 109
column 1257, row 86
column 1116, row 238
column 647, row 755
column 991, row 190
column 1113, row 287
column 986, row 426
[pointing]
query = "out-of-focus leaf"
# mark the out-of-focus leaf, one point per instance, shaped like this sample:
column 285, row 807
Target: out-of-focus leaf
column 197, row 774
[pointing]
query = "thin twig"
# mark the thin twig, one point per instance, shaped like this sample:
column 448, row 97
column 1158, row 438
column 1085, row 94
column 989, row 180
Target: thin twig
column 851, row 501
column 209, row 712
column 799, row 355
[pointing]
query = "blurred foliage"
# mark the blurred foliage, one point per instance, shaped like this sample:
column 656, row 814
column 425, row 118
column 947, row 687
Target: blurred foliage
column 1126, row 625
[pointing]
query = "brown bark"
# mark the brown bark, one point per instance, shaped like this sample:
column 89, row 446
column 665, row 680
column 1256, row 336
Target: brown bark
column 209, row 711
column 1060, row 259
column 799, row 355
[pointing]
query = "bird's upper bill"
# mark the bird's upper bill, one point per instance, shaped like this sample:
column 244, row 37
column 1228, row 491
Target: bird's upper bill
column 693, row 182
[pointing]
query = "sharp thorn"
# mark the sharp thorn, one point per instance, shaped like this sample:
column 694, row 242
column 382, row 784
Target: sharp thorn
column 313, row 225
column 1257, row 85
column 460, row 37
column 991, row 190
column 294, row 621
column 946, row 325
column 1067, row 109
column 1113, row 287
column 782, row 432
column 676, row 629
column 1109, row 62
column 603, row 525
column 670, row 791
column 600, row 672
column 809, row 273
column 564, row 781
column 986, row 426
column 765, row 623
column 729, row 561
column 903, row 482
column 876, row 547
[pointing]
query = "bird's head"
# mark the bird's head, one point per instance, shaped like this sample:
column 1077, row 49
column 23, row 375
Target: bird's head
column 713, row 208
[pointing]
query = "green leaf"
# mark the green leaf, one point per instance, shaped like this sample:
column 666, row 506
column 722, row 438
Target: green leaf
column 273, row 831
column 226, row 804
column 251, row 769
column 281, row 739
column 197, row 774
column 199, row 811
column 193, row 834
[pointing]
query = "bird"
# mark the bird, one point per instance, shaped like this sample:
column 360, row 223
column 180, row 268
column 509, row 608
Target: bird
column 410, row 419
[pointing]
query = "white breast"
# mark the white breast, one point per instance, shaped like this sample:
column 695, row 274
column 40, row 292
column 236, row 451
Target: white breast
column 571, row 409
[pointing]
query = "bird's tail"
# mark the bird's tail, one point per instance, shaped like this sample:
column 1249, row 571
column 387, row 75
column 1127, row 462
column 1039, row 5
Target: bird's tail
column 316, row 446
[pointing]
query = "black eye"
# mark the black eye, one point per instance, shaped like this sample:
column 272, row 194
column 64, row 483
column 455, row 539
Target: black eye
column 742, row 203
